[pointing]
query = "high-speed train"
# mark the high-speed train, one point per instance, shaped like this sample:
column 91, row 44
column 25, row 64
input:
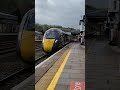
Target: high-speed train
column 26, row 37
column 54, row 39
column 38, row 35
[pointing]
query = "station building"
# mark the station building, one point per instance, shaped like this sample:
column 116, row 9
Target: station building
column 97, row 21
column 114, row 17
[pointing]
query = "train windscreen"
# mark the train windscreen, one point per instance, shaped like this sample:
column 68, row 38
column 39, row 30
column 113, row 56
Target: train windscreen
column 51, row 34
column 30, row 23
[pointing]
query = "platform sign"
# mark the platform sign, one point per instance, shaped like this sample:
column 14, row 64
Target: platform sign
column 74, row 85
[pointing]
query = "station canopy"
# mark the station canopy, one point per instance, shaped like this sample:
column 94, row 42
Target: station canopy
column 97, row 16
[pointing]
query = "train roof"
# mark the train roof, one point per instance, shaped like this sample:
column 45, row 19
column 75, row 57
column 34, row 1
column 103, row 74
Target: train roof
column 31, row 11
column 68, row 33
column 55, row 29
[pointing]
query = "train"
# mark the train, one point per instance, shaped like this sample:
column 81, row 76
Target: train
column 26, row 37
column 54, row 39
column 38, row 36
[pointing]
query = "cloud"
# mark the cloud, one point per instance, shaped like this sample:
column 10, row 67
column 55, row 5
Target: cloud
column 66, row 13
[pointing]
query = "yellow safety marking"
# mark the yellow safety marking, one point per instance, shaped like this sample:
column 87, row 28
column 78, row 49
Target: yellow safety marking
column 45, row 81
column 28, row 45
column 57, row 75
column 48, row 44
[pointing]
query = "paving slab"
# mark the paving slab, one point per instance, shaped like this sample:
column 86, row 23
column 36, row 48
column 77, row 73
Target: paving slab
column 74, row 69
column 102, row 67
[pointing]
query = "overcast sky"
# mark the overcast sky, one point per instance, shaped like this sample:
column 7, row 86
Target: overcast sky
column 66, row 13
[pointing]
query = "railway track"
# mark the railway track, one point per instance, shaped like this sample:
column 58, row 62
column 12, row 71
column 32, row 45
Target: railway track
column 40, row 55
column 15, row 71
column 41, row 59
column 7, row 51
column 5, row 42
column 7, row 47
column 15, row 78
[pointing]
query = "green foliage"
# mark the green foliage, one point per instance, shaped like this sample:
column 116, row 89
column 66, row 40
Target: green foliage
column 43, row 28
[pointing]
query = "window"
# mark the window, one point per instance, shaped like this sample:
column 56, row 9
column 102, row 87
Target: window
column 30, row 23
column 51, row 34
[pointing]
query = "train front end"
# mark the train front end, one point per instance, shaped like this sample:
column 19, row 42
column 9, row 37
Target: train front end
column 26, row 38
column 50, row 40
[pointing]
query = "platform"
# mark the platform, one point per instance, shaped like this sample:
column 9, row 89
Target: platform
column 66, row 71
column 102, row 67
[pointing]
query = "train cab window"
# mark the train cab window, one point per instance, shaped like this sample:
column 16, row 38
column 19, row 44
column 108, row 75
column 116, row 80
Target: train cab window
column 30, row 23
column 51, row 34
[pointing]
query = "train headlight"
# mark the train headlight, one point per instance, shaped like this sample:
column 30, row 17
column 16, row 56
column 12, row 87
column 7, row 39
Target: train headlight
column 56, row 41
column 43, row 41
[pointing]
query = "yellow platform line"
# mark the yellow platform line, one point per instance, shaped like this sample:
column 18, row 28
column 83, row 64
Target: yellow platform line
column 58, row 73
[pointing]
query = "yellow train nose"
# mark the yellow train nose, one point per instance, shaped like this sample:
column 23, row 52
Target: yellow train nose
column 48, row 45
column 28, row 46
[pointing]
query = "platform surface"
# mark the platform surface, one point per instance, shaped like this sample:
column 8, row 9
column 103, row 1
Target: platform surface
column 102, row 67
column 74, row 69
column 69, row 68
column 61, row 71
